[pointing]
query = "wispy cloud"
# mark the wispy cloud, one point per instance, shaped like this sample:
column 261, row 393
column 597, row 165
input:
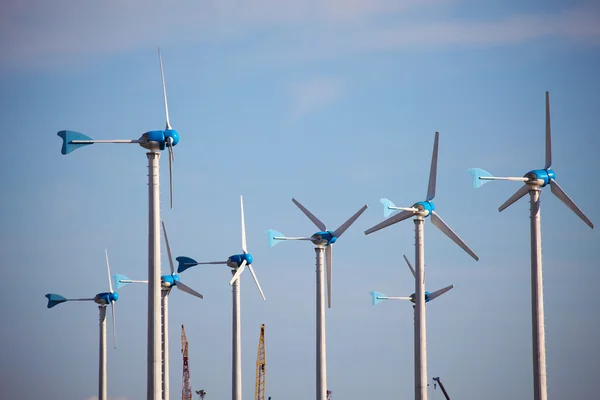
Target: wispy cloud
column 30, row 29
column 314, row 95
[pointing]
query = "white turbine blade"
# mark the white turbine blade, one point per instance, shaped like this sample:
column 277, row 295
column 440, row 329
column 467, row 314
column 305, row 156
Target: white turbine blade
column 548, row 134
column 170, row 173
column 329, row 268
column 401, row 216
column 256, row 281
column 310, row 216
column 168, row 248
column 114, row 321
column 188, row 290
column 410, row 267
column 442, row 226
column 244, row 248
column 440, row 292
column 433, row 170
column 162, row 75
column 558, row 192
column 518, row 194
column 238, row 272
column 108, row 268
column 339, row 231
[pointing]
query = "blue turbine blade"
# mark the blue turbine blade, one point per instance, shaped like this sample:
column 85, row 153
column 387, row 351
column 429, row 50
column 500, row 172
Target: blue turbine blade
column 477, row 173
column 68, row 136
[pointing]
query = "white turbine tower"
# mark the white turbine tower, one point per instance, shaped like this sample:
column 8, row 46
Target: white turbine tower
column 420, row 211
column 237, row 263
column 534, row 181
column 153, row 141
column 323, row 242
column 102, row 299
column 168, row 282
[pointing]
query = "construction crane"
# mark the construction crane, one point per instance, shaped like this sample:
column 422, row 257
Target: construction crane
column 437, row 380
column 186, row 390
column 201, row 393
column 261, row 367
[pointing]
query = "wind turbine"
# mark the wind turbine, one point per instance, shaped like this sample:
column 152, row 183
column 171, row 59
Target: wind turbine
column 154, row 141
column 238, row 263
column 534, row 181
column 420, row 211
column 102, row 299
column 323, row 241
column 167, row 283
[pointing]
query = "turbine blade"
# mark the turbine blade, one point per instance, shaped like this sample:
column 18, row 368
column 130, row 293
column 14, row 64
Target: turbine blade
column 410, row 266
column 114, row 321
column 185, row 288
column 170, row 148
column 168, row 248
column 256, row 281
column 440, row 292
column 433, row 170
column 162, row 76
column 401, row 216
column 548, row 134
column 442, row 226
column 329, row 268
column 477, row 174
column 518, row 194
column 310, row 216
column 244, row 248
column 339, row 231
column 238, row 272
column 558, row 192
column 386, row 207
column 108, row 268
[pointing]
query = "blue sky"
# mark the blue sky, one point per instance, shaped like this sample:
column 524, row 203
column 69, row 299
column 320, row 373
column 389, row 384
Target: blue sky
column 334, row 103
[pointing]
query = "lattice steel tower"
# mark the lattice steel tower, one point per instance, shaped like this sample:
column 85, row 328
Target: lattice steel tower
column 261, row 367
column 186, row 389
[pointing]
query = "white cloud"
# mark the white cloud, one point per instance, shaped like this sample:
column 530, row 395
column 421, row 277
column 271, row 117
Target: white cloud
column 314, row 95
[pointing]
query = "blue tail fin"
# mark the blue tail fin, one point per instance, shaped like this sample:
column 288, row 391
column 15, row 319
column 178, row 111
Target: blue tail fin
column 185, row 263
column 117, row 281
column 387, row 203
column 272, row 234
column 68, row 137
column 478, row 172
column 54, row 299
column 375, row 295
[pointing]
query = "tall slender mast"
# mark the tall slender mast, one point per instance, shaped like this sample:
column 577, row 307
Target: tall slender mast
column 154, row 389
column 236, row 354
column 420, row 321
column 102, row 373
column 321, row 343
column 537, row 300
column 165, row 342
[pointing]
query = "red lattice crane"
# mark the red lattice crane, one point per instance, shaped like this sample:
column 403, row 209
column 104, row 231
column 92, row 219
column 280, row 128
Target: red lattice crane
column 186, row 389
column 261, row 367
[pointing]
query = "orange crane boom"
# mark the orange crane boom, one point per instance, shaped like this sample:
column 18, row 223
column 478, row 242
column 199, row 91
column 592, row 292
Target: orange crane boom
column 261, row 367
column 186, row 389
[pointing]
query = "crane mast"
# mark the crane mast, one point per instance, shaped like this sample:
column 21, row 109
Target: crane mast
column 186, row 390
column 261, row 367
column 437, row 380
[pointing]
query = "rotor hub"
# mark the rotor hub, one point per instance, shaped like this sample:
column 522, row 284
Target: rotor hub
column 323, row 239
column 539, row 177
column 424, row 208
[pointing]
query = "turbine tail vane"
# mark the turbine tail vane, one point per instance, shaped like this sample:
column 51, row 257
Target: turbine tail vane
column 339, row 231
column 433, row 170
column 388, row 207
column 442, row 226
column 558, row 192
column 310, row 216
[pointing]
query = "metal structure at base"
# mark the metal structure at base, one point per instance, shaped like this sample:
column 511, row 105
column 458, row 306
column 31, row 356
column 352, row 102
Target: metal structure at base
column 186, row 389
column 201, row 393
column 261, row 367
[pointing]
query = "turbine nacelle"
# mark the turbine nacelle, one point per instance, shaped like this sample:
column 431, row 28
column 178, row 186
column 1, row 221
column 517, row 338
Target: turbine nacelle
column 106, row 298
column 424, row 208
column 323, row 238
column 235, row 261
column 158, row 140
column 539, row 177
column 168, row 281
